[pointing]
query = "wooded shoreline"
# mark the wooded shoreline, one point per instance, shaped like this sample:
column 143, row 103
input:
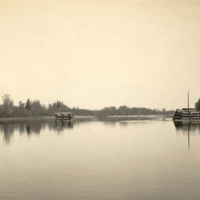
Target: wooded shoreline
column 32, row 109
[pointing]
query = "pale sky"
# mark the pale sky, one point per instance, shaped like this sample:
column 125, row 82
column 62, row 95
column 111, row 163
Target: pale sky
column 95, row 54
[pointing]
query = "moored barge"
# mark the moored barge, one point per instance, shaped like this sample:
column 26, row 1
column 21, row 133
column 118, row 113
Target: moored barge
column 63, row 116
column 186, row 114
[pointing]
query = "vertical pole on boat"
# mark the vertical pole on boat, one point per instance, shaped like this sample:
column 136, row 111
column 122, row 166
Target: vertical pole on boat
column 188, row 106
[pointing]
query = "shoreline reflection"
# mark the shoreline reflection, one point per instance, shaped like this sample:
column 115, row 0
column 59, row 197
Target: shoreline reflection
column 30, row 127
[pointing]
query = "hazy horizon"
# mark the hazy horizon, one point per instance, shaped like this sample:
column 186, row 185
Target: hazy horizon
column 95, row 54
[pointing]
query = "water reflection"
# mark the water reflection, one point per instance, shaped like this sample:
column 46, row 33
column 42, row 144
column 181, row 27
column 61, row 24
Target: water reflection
column 109, row 123
column 8, row 128
column 61, row 126
column 34, row 127
column 187, row 127
column 30, row 127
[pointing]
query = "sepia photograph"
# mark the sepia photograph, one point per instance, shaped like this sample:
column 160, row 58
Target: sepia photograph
column 99, row 99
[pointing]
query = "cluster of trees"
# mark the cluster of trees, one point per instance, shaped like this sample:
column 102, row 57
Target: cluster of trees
column 35, row 108
column 124, row 110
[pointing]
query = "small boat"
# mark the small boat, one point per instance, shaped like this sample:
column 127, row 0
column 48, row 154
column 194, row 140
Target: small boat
column 64, row 116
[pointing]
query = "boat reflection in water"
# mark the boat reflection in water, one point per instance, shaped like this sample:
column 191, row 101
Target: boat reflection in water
column 61, row 126
column 188, row 127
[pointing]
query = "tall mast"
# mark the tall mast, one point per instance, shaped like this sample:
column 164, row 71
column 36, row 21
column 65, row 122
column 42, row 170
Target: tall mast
column 188, row 100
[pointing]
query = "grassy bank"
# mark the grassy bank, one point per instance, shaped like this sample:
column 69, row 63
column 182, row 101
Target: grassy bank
column 131, row 118
column 92, row 118
column 76, row 118
column 27, row 118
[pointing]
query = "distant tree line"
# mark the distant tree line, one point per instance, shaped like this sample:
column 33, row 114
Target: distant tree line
column 35, row 108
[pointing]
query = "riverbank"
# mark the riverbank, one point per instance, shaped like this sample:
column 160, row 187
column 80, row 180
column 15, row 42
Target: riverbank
column 134, row 118
column 95, row 118
column 42, row 118
column 27, row 118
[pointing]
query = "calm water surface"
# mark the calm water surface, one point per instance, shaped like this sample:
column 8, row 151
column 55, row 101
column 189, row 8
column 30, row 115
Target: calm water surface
column 99, row 160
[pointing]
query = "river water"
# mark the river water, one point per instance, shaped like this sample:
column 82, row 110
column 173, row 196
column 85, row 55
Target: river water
column 99, row 160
